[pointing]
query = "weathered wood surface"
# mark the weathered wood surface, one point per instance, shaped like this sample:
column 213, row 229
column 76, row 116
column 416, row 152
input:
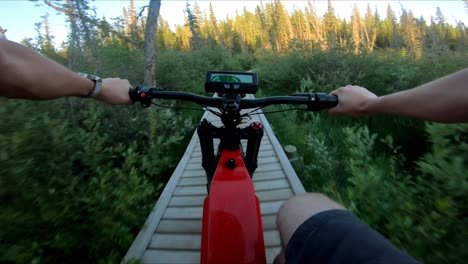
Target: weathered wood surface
column 172, row 232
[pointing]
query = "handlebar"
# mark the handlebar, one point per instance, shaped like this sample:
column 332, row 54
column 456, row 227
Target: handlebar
column 233, row 102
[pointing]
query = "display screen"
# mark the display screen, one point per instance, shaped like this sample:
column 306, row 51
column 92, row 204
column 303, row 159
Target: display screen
column 231, row 77
column 222, row 82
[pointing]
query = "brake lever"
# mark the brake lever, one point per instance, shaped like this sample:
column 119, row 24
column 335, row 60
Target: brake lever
column 142, row 94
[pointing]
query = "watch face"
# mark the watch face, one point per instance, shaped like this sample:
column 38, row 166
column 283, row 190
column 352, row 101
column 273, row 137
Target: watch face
column 91, row 77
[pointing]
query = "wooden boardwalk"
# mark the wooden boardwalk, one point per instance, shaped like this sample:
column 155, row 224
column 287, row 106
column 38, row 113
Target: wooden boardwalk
column 172, row 232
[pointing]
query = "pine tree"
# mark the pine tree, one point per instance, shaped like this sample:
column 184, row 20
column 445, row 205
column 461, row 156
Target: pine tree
column 193, row 23
column 166, row 39
column 215, row 32
column 330, row 23
column 356, row 27
column 263, row 39
column 410, row 34
column 300, row 27
column 370, row 29
column 282, row 26
column 317, row 30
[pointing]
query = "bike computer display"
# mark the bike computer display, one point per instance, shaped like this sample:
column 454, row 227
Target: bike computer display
column 231, row 82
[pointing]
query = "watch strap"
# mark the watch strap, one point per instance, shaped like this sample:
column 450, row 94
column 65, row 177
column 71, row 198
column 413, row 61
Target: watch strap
column 97, row 84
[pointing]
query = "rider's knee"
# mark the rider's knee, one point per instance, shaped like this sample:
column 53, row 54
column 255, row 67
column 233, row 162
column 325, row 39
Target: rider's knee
column 303, row 206
column 298, row 209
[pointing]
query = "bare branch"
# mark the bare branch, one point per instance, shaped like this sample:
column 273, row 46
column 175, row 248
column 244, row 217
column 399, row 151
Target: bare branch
column 141, row 11
column 56, row 7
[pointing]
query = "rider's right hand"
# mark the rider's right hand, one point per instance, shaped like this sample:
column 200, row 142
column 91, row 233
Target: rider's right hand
column 353, row 101
column 115, row 91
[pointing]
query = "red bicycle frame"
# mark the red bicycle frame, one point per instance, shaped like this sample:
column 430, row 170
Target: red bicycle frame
column 232, row 225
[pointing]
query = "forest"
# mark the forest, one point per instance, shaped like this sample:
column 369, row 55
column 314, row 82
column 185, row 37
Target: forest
column 78, row 178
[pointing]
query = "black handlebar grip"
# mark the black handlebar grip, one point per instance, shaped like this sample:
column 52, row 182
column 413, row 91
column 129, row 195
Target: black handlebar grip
column 133, row 94
column 332, row 100
column 323, row 101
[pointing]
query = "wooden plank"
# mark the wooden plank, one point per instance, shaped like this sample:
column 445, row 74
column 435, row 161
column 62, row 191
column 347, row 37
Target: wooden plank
column 194, row 173
column 274, row 195
column 261, row 154
column 267, row 175
column 190, row 190
column 267, row 208
column 271, row 253
column 193, row 166
column 180, row 226
column 195, row 225
column 259, row 186
column 271, row 208
column 266, row 153
column 267, row 160
column 183, row 213
column 269, row 222
column 261, row 168
column 269, row 167
column 153, row 256
column 270, row 203
column 177, row 241
column 272, row 238
column 192, row 181
column 266, row 147
column 296, row 184
column 261, row 160
column 258, row 176
column 271, row 185
column 193, row 241
column 194, row 200
column 137, row 249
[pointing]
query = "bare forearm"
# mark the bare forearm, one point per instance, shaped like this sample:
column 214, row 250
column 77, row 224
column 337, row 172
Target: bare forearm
column 27, row 74
column 442, row 100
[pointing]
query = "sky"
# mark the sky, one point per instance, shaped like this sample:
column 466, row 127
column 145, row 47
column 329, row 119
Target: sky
column 19, row 16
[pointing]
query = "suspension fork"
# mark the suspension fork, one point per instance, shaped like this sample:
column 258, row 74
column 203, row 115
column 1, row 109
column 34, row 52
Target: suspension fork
column 231, row 141
column 206, row 133
column 253, row 134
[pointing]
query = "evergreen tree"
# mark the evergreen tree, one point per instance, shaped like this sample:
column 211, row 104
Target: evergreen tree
column 356, row 29
column 370, row 29
column 330, row 23
column 193, row 23
column 317, row 30
column 282, row 26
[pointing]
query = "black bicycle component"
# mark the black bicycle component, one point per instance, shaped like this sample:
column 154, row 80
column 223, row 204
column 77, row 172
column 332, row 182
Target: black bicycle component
column 322, row 100
column 230, row 105
column 222, row 82
column 206, row 133
column 230, row 164
column 254, row 138
column 234, row 102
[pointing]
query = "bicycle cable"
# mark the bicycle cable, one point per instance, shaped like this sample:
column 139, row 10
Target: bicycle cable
column 217, row 114
column 278, row 111
column 177, row 107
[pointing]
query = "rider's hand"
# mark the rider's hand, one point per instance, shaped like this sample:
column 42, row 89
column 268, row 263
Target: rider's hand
column 115, row 91
column 352, row 100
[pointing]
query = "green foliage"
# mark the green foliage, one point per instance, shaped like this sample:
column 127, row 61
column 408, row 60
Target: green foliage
column 405, row 178
column 78, row 178
column 81, row 184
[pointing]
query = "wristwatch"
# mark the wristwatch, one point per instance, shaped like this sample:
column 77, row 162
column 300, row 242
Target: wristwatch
column 97, row 84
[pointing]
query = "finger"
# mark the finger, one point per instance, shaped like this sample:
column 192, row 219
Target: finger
column 334, row 111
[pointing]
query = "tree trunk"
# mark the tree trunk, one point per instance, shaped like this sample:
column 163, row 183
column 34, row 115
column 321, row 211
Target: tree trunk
column 150, row 42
